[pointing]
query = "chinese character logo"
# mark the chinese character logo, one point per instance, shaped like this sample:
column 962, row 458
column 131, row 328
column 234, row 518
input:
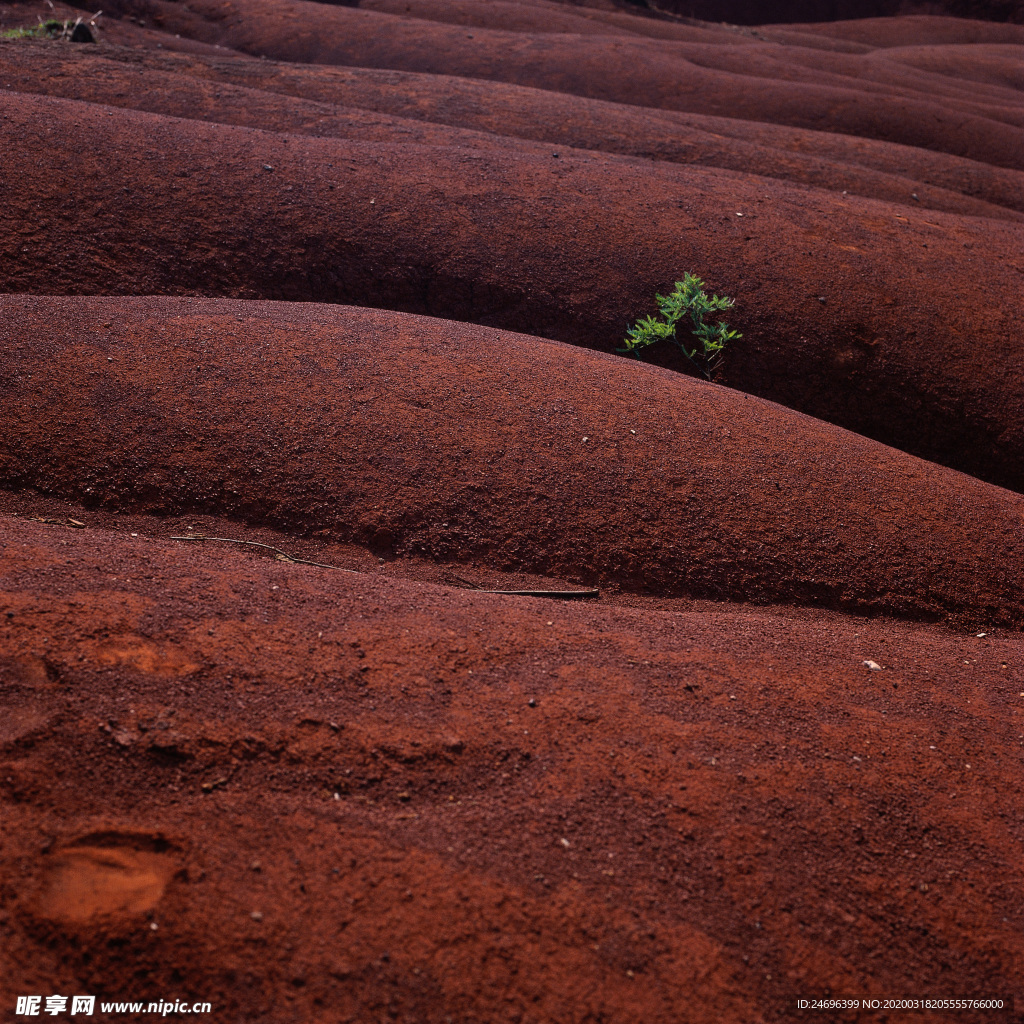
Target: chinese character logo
column 32, row 1006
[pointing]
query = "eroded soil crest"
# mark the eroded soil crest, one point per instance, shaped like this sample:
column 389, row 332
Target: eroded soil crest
column 309, row 372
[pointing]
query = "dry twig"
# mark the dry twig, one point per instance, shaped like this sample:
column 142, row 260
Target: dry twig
column 282, row 556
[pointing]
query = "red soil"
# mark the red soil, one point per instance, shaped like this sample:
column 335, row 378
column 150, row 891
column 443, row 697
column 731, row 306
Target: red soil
column 458, row 443
column 311, row 795
column 734, row 75
column 851, row 321
column 333, row 799
column 920, row 30
column 337, row 103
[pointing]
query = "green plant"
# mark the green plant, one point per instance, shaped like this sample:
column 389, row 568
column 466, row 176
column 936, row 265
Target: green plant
column 51, row 29
column 77, row 31
column 688, row 299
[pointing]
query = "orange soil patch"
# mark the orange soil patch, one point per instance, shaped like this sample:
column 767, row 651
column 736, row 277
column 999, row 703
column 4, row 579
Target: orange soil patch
column 92, row 880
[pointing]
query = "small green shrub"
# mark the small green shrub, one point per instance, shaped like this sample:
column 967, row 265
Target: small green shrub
column 78, row 31
column 688, row 299
column 51, row 29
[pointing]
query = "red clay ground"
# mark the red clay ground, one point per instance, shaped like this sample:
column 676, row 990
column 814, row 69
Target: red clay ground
column 337, row 103
column 852, row 320
column 308, row 795
column 311, row 795
column 459, row 443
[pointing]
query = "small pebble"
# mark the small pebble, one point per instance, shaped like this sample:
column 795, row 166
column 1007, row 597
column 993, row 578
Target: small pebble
column 256, row 915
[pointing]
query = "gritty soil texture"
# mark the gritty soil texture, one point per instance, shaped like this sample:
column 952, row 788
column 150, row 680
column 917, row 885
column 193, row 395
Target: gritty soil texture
column 458, row 443
column 896, row 320
column 308, row 319
column 340, row 797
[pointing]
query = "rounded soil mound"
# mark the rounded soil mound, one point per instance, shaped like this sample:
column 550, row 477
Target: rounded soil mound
column 340, row 103
column 461, row 443
column 718, row 71
column 850, row 320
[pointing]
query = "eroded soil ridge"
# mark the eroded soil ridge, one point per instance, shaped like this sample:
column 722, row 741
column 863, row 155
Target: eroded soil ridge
column 343, row 283
column 424, row 437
